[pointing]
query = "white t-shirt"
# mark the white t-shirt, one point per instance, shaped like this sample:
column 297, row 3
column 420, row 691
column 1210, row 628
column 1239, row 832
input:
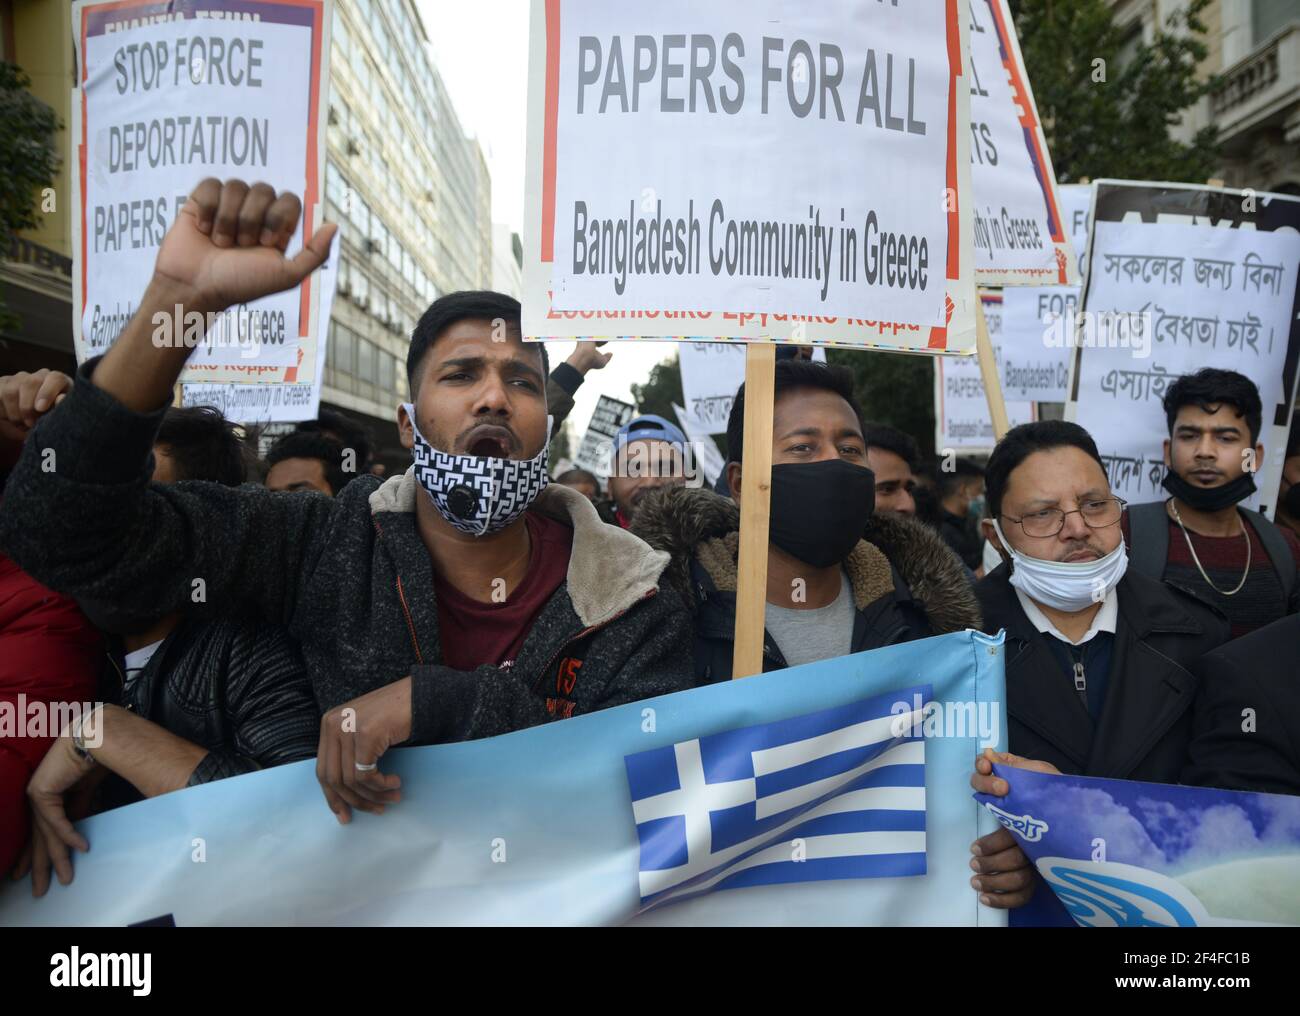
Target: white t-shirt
column 138, row 659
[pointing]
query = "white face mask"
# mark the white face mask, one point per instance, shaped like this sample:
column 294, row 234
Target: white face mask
column 477, row 495
column 1065, row 585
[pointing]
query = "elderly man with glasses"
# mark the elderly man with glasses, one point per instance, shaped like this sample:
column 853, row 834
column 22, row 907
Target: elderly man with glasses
column 1098, row 657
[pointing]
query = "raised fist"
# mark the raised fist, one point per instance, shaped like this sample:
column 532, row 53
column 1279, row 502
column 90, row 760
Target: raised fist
column 227, row 246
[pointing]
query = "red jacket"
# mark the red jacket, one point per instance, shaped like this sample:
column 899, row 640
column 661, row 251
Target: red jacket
column 48, row 653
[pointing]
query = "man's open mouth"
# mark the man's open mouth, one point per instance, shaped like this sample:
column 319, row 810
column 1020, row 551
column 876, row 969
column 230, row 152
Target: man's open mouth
column 490, row 443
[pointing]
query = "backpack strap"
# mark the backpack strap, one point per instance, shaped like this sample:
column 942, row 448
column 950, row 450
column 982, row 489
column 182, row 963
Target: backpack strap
column 1148, row 539
column 1279, row 553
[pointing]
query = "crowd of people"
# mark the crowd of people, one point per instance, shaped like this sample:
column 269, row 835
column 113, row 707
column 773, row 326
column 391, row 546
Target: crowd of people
column 330, row 612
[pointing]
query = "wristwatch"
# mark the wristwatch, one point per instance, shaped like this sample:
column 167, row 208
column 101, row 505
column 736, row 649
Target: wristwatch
column 78, row 738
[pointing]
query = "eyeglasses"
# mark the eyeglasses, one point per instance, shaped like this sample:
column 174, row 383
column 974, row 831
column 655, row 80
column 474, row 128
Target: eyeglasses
column 1097, row 514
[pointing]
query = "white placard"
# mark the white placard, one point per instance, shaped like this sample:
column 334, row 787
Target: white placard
column 1032, row 349
column 703, row 214
column 1020, row 235
column 712, row 373
column 1184, row 291
column 274, row 402
column 1076, row 204
column 166, row 98
column 961, row 409
column 598, row 443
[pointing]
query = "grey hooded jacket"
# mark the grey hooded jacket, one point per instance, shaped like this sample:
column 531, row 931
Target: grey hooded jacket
column 348, row 577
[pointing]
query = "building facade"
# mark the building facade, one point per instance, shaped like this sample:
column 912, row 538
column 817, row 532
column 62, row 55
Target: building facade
column 36, row 270
column 1254, row 49
column 413, row 196
column 507, row 261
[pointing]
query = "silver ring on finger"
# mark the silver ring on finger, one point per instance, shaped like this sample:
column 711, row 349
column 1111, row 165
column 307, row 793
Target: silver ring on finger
column 366, row 767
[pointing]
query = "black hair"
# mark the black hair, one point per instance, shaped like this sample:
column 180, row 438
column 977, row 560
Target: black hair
column 578, row 476
column 346, row 432
column 468, row 305
column 1210, row 388
column 203, row 444
column 946, row 481
column 891, row 439
column 791, row 374
column 301, row 444
column 1021, row 442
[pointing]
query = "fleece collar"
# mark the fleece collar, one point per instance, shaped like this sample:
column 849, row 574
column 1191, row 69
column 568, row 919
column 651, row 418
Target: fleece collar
column 610, row 570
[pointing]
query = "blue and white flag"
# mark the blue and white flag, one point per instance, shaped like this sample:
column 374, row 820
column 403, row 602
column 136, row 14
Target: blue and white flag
column 834, row 793
column 1130, row 854
column 838, row 793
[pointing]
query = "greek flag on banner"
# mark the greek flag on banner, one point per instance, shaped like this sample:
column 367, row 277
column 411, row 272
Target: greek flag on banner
column 835, row 793
column 838, row 793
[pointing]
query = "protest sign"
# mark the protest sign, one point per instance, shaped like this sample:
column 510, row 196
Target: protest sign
column 1031, row 369
column 1121, row 853
column 1182, row 277
column 598, row 441
column 849, row 223
column 1020, row 235
column 168, row 96
column 1076, row 204
column 961, row 408
column 832, row 793
column 712, row 372
column 274, row 402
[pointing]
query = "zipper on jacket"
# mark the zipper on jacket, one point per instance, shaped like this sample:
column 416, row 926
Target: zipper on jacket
column 1080, row 678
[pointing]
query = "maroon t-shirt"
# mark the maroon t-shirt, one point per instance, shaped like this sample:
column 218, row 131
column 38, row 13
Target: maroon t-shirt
column 474, row 633
column 1260, row 600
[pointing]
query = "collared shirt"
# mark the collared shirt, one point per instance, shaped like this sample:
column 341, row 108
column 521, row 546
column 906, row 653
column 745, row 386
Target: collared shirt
column 1105, row 620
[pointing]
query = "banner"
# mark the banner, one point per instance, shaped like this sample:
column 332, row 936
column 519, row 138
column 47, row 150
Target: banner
column 170, row 94
column 1183, row 277
column 833, row 793
column 765, row 171
column 598, row 442
column 1035, row 361
column 961, row 409
column 275, row 402
column 1124, row 853
column 1021, row 238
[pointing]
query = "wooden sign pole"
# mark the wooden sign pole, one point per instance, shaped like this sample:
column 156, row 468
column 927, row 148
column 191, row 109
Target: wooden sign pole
column 989, row 374
column 755, row 491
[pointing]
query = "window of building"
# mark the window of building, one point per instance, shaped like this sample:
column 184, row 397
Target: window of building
column 341, row 351
column 342, row 37
column 387, row 372
column 1268, row 16
column 366, row 361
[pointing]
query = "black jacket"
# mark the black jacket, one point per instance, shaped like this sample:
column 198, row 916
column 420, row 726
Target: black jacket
column 906, row 584
column 348, row 577
column 1146, row 721
column 1257, row 750
column 237, row 688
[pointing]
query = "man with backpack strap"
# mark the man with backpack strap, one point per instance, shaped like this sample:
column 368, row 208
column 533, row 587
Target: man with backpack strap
column 1200, row 539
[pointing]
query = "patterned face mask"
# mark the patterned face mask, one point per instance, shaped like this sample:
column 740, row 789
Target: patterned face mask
column 478, row 495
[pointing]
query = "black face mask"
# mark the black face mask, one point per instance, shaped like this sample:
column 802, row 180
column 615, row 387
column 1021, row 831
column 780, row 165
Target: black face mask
column 820, row 509
column 1210, row 499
